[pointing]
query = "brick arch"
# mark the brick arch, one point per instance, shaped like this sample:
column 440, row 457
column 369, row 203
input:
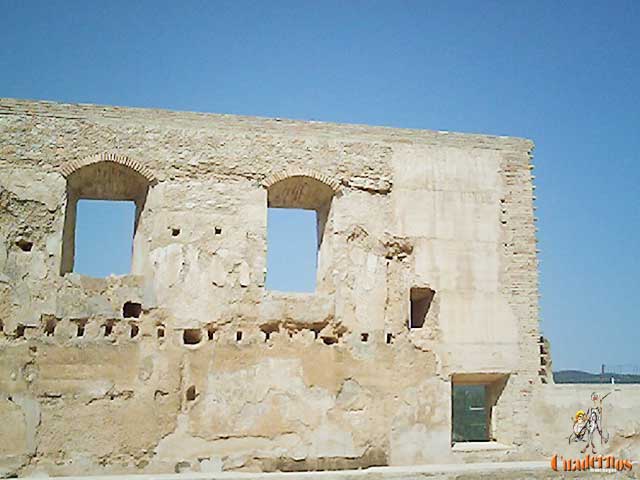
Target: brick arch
column 330, row 182
column 70, row 167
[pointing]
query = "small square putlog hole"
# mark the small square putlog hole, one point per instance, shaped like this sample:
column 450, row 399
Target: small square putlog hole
column 134, row 330
column 192, row 393
column 24, row 245
column 191, row 336
column 81, row 326
column 211, row 333
column 20, row 330
column 132, row 310
column 50, row 323
column 421, row 299
column 108, row 328
column 329, row 340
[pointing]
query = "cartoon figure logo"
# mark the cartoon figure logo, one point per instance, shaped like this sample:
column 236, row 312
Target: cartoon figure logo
column 587, row 424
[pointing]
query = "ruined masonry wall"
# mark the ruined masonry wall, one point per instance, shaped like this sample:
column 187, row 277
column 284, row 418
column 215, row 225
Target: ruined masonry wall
column 207, row 368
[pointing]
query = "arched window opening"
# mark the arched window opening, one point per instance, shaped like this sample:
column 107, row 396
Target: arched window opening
column 298, row 243
column 122, row 192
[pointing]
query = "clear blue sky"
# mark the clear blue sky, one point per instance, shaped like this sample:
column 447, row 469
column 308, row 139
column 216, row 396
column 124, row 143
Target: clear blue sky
column 565, row 74
column 104, row 233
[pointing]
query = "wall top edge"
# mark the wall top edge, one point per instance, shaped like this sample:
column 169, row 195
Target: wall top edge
column 257, row 125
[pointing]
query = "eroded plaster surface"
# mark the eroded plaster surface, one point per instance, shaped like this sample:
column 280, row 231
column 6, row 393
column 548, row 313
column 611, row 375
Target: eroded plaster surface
column 190, row 363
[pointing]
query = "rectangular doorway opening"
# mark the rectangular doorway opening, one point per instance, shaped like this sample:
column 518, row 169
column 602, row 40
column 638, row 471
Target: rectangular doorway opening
column 470, row 416
column 473, row 401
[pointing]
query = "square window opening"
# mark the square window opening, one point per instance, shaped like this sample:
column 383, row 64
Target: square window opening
column 421, row 299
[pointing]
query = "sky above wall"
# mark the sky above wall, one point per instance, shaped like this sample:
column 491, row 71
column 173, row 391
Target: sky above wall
column 565, row 74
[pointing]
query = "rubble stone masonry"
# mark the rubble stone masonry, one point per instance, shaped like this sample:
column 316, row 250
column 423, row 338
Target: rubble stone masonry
column 189, row 362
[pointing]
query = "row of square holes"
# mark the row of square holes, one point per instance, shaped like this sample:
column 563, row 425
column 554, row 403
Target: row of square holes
column 190, row 336
column 26, row 245
column 51, row 323
column 129, row 310
column 193, row 336
column 176, row 231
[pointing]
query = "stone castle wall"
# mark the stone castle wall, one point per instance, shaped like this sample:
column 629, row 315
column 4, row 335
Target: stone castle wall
column 189, row 360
